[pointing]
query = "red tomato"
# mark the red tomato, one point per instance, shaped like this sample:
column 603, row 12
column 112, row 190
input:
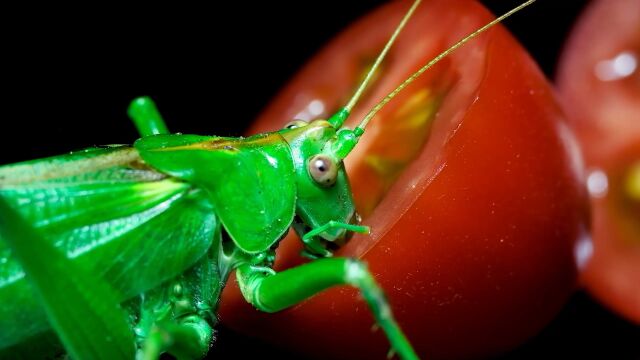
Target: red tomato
column 599, row 81
column 469, row 180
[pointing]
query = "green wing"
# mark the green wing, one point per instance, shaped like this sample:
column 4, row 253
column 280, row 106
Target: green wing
column 102, row 207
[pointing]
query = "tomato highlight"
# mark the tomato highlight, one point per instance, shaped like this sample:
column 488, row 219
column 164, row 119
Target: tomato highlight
column 599, row 82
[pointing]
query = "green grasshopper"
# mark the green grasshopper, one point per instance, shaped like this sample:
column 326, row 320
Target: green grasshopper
column 123, row 250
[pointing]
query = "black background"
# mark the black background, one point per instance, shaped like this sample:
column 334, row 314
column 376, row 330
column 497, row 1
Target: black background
column 70, row 72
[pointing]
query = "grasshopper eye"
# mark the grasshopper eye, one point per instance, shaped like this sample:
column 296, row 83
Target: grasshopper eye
column 323, row 170
column 296, row 124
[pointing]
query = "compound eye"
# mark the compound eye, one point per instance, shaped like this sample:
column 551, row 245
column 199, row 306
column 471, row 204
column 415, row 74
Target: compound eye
column 323, row 170
column 296, row 124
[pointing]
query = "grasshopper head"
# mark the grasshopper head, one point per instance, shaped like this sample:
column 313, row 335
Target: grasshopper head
column 324, row 193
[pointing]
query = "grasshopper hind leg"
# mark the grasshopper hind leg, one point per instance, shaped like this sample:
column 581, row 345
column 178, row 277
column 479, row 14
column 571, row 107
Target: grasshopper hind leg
column 146, row 117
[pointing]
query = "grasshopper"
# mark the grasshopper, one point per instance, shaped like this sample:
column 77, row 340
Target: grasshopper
column 123, row 250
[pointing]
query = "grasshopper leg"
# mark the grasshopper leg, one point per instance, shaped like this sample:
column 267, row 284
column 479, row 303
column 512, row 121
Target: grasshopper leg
column 145, row 116
column 188, row 339
column 272, row 293
column 82, row 310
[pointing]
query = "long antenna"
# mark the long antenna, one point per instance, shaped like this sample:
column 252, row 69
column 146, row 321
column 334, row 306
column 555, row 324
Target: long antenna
column 360, row 128
column 338, row 119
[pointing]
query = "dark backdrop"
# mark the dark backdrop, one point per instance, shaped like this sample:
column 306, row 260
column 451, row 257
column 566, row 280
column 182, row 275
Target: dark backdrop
column 70, row 72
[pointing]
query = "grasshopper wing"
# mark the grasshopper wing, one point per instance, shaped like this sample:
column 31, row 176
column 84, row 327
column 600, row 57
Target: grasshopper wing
column 109, row 212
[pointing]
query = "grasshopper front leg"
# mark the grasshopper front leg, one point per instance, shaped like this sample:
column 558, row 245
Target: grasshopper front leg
column 274, row 292
column 189, row 338
column 178, row 317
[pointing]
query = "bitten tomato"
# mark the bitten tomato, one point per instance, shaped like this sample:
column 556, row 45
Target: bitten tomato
column 469, row 180
column 599, row 80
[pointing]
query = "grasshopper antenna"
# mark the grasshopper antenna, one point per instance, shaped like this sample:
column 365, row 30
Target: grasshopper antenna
column 434, row 61
column 339, row 118
column 348, row 139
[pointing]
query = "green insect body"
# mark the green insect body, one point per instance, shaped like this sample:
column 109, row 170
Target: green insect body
column 102, row 218
column 125, row 249
column 208, row 204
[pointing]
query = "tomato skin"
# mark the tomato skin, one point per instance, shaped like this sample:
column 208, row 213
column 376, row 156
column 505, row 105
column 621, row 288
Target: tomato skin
column 604, row 110
column 475, row 242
